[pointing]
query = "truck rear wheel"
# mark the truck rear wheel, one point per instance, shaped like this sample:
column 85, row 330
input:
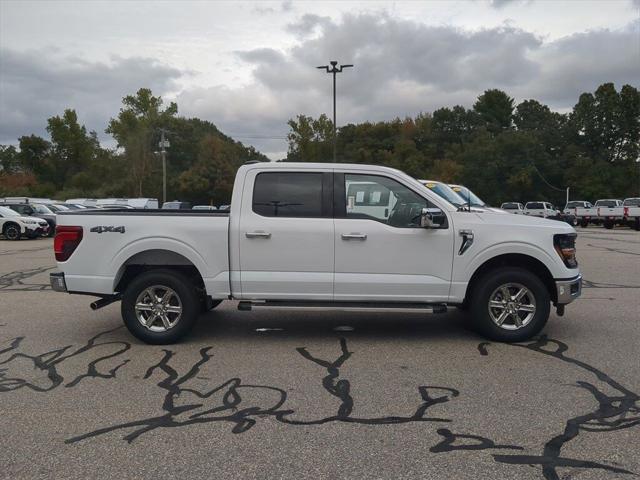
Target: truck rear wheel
column 160, row 306
column 608, row 224
column 510, row 304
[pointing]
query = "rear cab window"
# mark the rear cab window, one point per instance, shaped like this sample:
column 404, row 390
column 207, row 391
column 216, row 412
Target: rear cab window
column 291, row 194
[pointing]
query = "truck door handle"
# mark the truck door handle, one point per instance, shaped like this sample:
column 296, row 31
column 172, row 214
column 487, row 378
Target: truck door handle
column 354, row 236
column 258, row 235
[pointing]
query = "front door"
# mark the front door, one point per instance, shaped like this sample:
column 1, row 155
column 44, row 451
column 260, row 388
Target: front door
column 381, row 252
column 286, row 236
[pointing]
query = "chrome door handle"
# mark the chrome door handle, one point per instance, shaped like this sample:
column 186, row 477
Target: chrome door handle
column 258, row 235
column 354, row 236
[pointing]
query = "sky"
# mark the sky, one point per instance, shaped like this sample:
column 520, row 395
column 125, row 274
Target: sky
column 248, row 67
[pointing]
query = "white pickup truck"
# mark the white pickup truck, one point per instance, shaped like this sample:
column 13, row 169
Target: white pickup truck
column 609, row 211
column 585, row 212
column 320, row 235
column 631, row 212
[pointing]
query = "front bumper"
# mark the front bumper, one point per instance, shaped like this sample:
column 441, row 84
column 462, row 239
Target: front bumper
column 57, row 282
column 568, row 290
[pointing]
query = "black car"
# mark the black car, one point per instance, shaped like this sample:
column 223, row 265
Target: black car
column 39, row 210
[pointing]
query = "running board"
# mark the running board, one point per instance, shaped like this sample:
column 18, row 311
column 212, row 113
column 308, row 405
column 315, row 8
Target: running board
column 343, row 306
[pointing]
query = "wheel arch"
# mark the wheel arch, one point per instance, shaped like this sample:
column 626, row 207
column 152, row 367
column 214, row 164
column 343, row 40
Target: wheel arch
column 156, row 259
column 521, row 260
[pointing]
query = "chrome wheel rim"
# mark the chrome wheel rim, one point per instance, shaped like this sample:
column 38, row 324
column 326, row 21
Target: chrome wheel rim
column 512, row 306
column 158, row 308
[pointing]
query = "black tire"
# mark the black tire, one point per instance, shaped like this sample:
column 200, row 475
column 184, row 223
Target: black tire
column 608, row 224
column 186, row 293
column 11, row 231
column 584, row 223
column 637, row 224
column 486, row 287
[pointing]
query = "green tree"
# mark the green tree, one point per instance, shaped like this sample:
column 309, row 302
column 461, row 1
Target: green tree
column 310, row 140
column 72, row 148
column 136, row 129
column 495, row 110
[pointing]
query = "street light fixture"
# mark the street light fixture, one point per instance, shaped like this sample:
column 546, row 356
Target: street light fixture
column 333, row 69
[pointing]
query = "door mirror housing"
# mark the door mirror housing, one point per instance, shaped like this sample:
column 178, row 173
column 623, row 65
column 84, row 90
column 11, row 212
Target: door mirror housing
column 432, row 218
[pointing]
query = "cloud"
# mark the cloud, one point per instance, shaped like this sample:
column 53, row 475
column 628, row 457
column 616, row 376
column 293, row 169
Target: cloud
column 404, row 67
column 36, row 85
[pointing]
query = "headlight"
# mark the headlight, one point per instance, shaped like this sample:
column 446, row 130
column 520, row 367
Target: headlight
column 29, row 221
column 565, row 245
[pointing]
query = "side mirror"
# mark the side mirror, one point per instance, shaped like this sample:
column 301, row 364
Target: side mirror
column 432, row 218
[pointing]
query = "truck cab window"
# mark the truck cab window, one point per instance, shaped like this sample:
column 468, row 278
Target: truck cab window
column 384, row 200
column 288, row 194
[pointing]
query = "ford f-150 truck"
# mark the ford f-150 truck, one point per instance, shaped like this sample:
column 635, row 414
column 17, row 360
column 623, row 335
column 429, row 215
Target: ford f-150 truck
column 320, row 235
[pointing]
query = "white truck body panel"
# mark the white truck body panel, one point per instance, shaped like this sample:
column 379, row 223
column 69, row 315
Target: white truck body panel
column 308, row 258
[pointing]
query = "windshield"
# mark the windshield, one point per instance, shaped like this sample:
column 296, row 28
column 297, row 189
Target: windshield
column 467, row 195
column 606, row 203
column 41, row 209
column 535, row 206
column 510, row 206
column 445, row 192
column 7, row 212
column 632, row 202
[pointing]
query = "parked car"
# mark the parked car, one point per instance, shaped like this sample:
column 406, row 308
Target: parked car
column 56, row 207
column 176, row 205
column 204, row 207
column 471, row 198
column 298, row 234
column 609, row 212
column 86, row 202
column 547, row 210
column 585, row 212
column 147, row 203
column 14, row 226
column 513, row 207
column 37, row 210
column 444, row 191
column 631, row 209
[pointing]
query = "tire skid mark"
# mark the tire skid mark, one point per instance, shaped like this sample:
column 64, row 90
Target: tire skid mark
column 14, row 281
column 614, row 412
column 613, row 250
column 226, row 403
column 48, row 363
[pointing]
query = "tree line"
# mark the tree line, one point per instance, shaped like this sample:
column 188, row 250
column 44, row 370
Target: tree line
column 201, row 165
column 502, row 151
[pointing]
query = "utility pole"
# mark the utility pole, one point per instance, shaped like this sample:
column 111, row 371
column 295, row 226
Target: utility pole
column 333, row 69
column 163, row 153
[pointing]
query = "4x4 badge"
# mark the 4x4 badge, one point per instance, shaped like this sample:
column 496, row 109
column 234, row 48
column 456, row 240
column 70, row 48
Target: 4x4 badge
column 107, row 228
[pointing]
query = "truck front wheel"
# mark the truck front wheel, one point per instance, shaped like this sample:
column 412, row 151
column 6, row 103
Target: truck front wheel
column 510, row 304
column 160, row 306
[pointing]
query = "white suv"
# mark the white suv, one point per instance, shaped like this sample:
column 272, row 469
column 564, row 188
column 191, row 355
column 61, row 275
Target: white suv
column 14, row 226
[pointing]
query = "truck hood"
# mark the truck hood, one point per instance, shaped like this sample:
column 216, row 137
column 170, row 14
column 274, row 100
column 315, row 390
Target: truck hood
column 499, row 219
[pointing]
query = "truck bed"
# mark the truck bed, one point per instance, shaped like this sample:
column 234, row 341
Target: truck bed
column 113, row 240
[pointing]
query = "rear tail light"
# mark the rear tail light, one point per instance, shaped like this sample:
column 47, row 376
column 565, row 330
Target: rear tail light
column 626, row 211
column 565, row 245
column 66, row 241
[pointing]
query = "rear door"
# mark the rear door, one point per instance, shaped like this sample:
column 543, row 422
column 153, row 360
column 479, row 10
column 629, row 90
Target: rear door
column 381, row 252
column 286, row 235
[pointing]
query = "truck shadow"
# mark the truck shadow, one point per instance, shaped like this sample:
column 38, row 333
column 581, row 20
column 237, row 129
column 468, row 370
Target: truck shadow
column 227, row 323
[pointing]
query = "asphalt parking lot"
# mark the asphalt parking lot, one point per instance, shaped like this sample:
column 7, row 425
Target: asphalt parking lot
column 290, row 394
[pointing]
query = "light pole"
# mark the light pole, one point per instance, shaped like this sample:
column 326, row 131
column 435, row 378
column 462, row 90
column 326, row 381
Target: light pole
column 163, row 153
column 333, row 68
